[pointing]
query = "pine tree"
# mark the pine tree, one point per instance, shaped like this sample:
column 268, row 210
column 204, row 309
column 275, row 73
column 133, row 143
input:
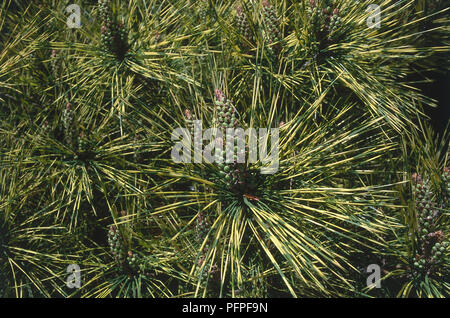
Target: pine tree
column 88, row 122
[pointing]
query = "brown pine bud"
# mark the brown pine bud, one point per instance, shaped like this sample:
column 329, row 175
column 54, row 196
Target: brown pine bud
column 416, row 177
column 187, row 114
column 157, row 36
column 220, row 96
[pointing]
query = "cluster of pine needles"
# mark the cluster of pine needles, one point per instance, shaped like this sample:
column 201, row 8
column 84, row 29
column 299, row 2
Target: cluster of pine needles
column 87, row 179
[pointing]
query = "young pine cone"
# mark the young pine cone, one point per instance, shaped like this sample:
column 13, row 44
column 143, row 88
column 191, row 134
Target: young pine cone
column 446, row 179
column 243, row 25
column 425, row 206
column 67, row 119
column 189, row 118
column 133, row 261
column 201, row 228
column 225, row 111
column 335, row 22
column 105, row 12
column 115, row 244
column 271, row 22
column 231, row 172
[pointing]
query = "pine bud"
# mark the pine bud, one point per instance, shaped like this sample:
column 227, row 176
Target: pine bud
column 45, row 130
